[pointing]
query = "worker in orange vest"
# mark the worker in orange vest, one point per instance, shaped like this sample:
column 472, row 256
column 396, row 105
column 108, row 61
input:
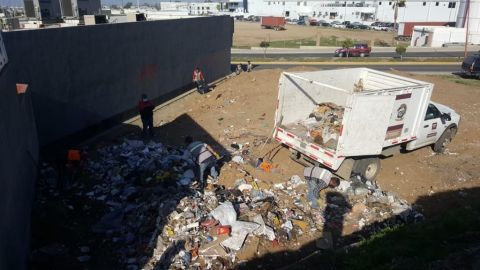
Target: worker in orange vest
column 199, row 80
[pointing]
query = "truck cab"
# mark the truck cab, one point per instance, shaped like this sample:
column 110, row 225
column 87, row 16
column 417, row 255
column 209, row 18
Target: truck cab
column 438, row 128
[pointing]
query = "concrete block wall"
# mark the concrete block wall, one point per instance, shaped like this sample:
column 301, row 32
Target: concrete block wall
column 18, row 169
column 83, row 76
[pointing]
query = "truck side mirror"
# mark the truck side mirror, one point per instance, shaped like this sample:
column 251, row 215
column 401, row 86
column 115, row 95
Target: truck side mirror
column 446, row 116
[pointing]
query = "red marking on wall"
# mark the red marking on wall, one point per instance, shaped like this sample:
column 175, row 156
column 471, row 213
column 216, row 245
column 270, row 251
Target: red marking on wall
column 148, row 72
column 394, row 142
column 290, row 135
column 280, row 130
column 313, row 156
column 404, row 140
column 328, row 154
column 278, row 139
column 414, row 137
column 314, row 147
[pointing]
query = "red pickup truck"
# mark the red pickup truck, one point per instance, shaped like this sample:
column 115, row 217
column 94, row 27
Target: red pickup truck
column 359, row 49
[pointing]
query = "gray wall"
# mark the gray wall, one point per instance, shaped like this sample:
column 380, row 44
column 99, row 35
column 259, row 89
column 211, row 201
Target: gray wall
column 81, row 76
column 18, row 161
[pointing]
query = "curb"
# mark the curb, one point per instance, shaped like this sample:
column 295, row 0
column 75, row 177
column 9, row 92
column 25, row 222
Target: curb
column 352, row 63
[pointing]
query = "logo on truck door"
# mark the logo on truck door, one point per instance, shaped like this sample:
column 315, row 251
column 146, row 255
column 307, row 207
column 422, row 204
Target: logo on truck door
column 401, row 111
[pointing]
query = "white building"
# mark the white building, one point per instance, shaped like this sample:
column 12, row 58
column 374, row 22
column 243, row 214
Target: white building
column 436, row 36
column 375, row 10
column 57, row 9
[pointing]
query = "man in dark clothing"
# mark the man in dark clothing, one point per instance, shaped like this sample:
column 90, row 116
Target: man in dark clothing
column 145, row 108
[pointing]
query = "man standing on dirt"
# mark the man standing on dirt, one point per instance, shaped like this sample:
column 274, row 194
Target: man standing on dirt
column 249, row 66
column 318, row 179
column 199, row 79
column 145, row 108
column 203, row 156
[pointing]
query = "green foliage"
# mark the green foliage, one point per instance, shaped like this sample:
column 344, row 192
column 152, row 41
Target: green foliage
column 347, row 43
column 381, row 43
column 264, row 44
column 401, row 49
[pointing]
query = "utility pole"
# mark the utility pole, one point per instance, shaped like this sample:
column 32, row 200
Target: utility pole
column 467, row 14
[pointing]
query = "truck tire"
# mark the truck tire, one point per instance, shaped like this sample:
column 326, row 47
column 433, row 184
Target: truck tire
column 444, row 140
column 367, row 167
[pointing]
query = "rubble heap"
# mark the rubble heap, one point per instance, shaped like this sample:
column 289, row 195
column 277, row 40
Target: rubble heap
column 157, row 219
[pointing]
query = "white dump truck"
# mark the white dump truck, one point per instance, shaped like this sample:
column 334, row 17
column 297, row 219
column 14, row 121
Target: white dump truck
column 346, row 120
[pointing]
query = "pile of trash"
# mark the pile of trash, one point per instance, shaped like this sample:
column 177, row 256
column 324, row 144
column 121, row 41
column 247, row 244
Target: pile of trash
column 158, row 219
column 323, row 125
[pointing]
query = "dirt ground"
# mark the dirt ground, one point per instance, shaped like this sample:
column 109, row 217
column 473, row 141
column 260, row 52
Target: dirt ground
column 251, row 34
column 241, row 109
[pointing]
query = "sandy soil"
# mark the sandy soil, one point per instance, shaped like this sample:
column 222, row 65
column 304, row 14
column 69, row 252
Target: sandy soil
column 241, row 109
column 251, row 34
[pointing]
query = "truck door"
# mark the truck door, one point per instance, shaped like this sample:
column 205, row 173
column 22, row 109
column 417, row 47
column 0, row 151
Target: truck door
column 431, row 127
column 367, row 125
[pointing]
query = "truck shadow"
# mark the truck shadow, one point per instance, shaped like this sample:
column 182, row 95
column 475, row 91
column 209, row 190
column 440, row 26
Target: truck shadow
column 448, row 237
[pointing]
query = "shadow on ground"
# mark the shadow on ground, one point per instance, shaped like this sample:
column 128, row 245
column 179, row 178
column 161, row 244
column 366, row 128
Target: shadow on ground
column 448, row 238
column 65, row 219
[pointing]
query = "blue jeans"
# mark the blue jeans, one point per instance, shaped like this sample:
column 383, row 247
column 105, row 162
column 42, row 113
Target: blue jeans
column 209, row 163
column 314, row 188
column 147, row 125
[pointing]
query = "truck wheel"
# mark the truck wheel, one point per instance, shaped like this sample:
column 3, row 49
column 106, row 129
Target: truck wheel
column 367, row 167
column 444, row 140
column 362, row 54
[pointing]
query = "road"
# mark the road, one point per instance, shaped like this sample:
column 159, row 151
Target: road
column 327, row 52
column 430, row 69
column 330, row 54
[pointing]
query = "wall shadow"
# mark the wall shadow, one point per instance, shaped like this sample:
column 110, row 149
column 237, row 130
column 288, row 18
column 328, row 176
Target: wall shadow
column 447, row 236
column 64, row 220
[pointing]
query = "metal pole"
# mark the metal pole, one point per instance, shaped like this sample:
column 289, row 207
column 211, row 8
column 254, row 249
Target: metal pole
column 466, row 29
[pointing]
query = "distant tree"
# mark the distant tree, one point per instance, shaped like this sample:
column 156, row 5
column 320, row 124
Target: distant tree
column 347, row 43
column 401, row 50
column 264, row 44
column 128, row 5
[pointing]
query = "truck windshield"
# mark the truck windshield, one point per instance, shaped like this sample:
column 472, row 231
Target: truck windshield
column 432, row 112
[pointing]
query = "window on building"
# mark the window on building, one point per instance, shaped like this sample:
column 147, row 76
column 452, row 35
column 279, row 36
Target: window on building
column 389, row 3
column 305, row 3
column 379, row 3
column 424, row 3
column 454, row 4
column 298, row 3
column 436, row 4
column 283, row 3
column 269, row 3
column 287, row 13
